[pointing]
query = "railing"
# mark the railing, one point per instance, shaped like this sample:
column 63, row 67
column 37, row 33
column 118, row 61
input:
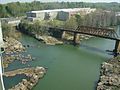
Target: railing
column 1, row 70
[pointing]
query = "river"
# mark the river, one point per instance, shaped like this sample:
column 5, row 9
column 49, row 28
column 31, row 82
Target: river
column 69, row 67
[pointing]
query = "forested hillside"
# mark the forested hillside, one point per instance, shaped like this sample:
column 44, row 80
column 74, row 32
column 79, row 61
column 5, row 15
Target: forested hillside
column 19, row 9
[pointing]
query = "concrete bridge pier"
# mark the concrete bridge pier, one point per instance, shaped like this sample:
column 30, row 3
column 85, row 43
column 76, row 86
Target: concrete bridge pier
column 117, row 48
column 76, row 39
column 63, row 34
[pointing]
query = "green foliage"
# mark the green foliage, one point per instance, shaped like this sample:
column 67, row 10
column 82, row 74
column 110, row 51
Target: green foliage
column 38, row 27
column 55, row 23
column 19, row 9
column 9, row 31
column 100, row 18
column 79, row 19
column 71, row 23
column 33, row 28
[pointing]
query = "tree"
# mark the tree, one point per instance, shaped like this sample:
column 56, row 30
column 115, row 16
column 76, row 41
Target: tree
column 79, row 19
column 10, row 31
column 55, row 23
column 71, row 23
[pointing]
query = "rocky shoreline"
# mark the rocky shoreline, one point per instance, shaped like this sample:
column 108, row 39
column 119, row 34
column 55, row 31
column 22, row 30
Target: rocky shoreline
column 12, row 48
column 51, row 37
column 110, row 75
column 14, row 51
column 34, row 74
column 49, row 40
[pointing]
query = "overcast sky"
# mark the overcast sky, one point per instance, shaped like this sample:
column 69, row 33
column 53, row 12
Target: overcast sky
column 6, row 1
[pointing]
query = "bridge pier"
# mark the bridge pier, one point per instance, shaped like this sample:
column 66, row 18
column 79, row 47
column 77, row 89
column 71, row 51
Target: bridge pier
column 63, row 34
column 117, row 48
column 76, row 39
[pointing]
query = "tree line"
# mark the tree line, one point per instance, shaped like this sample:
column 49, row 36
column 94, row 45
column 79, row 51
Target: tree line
column 16, row 9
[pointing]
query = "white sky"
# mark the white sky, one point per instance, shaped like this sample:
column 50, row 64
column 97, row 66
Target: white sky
column 6, row 1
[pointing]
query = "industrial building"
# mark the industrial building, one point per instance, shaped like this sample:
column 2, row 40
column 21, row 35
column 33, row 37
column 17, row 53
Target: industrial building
column 35, row 15
column 42, row 15
column 60, row 14
column 65, row 14
column 117, row 14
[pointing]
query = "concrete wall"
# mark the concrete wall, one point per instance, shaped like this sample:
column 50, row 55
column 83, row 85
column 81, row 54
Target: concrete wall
column 40, row 15
column 53, row 15
column 1, row 43
column 63, row 15
column 32, row 16
column 1, row 36
column 14, row 22
column 29, row 14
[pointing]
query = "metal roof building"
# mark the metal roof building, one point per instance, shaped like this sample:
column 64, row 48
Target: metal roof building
column 61, row 14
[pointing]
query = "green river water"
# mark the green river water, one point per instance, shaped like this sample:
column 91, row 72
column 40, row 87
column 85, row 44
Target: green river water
column 69, row 67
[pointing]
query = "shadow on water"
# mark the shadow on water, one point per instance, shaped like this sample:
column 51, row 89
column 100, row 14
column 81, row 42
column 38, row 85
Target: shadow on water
column 109, row 52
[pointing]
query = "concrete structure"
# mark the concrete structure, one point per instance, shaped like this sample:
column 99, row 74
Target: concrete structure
column 117, row 14
column 51, row 14
column 1, row 37
column 35, row 15
column 65, row 14
column 42, row 15
column 11, row 21
column 1, row 44
column 61, row 14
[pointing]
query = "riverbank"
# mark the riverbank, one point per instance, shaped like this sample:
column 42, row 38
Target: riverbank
column 49, row 40
column 110, row 75
column 68, row 39
column 34, row 74
column 49, row 36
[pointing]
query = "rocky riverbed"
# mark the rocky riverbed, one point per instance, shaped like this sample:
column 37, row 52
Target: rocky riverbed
column 12, row 45
column 110, row 75
column 34, row 74
column 49, row 40
column 14, row 51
